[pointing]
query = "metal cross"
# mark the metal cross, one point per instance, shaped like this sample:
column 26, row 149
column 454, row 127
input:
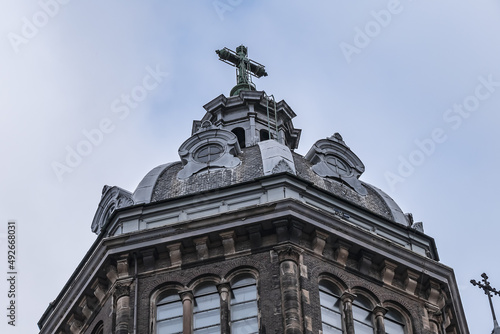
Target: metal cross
column 245, row 67
column 488, row 290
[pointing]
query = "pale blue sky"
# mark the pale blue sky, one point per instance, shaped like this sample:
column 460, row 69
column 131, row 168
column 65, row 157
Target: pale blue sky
column 62, row 76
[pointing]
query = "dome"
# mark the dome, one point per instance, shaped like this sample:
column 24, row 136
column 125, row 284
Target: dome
column 163, row 183
column 248, row 140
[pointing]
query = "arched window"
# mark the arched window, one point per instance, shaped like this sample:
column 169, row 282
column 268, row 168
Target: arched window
column 244, row 311
column 394, row 322
column 99, row 328
column 240, row 134
column 169, row 314
column 362, row 314
column 331, row 318
column 206, row 312
column 264, row 135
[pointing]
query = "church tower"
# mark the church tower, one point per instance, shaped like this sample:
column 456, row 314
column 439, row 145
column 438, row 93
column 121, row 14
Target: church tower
column 243, row 235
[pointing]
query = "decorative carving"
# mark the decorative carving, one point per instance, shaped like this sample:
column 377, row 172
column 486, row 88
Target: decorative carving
column 281, row 167
column 121, row 290
column 319, row 242
column 112, row 273
column 332, row 158
column 149, row 257
column 99, row 288
column 342, row 253
column 201, row 247
column 174, row 251
column 208, row 148
column 288, row 253
column 365, row 263
column 228, row 242
column 411, row 280
column 122, row 266
column 388, row 271
column 112, row 198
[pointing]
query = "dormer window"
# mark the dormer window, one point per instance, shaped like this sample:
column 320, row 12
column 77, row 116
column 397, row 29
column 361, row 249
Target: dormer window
column 207, row 153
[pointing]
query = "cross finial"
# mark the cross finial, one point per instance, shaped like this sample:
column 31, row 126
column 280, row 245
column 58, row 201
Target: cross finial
column 245, row 68
column 488, row 290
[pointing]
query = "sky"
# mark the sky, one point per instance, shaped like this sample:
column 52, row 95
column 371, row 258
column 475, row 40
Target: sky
column 98, row 93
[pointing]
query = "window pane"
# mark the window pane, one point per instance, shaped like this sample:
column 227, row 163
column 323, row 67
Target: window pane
column 171, row 298
column 245, row 310
column 206, row 302
column 246, row 326
column 328, row 300
column 331, row 318
column 244, row 281
column 169, row 311
column 360, row 328
column 211, row 330
column 206, row 318
column 172, row 326
column 362, row 315
column 392, row 327
column 244, row 294
column 331, row 330
column 205, row 289
column 330, row 311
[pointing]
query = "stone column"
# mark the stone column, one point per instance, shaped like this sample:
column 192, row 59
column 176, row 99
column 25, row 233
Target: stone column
column 187, row 311
column 290, row 289
column 379, row 313
column 122, row 297
column 347, row 299
column 225, row 299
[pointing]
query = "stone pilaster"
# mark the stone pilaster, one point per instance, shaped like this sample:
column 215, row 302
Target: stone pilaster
column 347, row 299
column 379, row 313
column 122, row 297
column 225, row 299
column 290, row 289
column 187, row 311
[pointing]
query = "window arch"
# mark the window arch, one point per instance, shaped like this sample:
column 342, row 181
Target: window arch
column 169, row 313
column 206, row 311
column 362, row 315
column 264, row 135
column 240, row 134
column 331, row 314
column 397, row 320
column 99, row 328
column 243, row 305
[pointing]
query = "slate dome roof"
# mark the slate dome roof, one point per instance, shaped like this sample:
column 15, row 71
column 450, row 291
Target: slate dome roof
column 243, row 138
column 162, row 183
